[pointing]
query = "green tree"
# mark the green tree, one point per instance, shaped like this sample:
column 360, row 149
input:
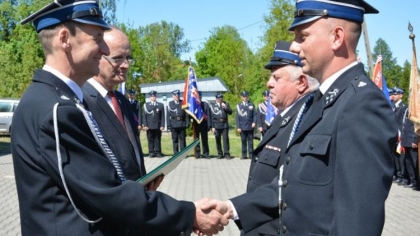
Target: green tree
column 161, row 45
column 226, row 55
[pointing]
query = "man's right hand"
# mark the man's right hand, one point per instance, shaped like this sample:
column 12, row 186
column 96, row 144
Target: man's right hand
column 209, row 221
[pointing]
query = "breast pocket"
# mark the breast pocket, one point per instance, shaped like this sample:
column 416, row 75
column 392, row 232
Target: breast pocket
column 269, row 157
column 316, row 165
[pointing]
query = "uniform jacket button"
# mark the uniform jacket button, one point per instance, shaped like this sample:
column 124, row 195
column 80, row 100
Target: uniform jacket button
column 182, row 234
column 284, row 229
column 284, row 206
column 287, row 160
column 311, row 147
column 285, row 183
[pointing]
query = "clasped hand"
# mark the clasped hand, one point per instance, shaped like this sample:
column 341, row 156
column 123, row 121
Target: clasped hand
column 211, row 216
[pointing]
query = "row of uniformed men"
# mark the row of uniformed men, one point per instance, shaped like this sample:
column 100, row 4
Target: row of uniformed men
column 151, row 118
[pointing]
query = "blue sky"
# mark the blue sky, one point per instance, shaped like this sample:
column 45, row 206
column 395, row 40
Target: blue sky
column 199, row 17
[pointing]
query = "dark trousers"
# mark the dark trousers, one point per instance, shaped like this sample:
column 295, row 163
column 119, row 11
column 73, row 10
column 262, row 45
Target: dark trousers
column 410, row 158
column 153, row 138
column 397, row 164
column 218, row 134
column 178, row 139
column 203, row 134
column 247, row 137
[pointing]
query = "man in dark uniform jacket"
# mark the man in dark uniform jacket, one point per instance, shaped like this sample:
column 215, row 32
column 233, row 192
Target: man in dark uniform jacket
column 135, row 105
column 399, row 109
column 337, row 169
column 220, row 125
column 66, row 182
column 202, row 129
column 246, row 118
column 177, row 121
column 261, row 113
column 153, row 123
column 287, row 94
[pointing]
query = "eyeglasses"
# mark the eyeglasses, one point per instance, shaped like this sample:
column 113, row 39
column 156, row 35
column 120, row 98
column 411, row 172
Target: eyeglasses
column 120, row 61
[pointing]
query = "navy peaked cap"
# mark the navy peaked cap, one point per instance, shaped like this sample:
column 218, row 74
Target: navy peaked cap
column 244, row 94
column 282, row 56
column 219, row 95
column 59, row 11
column 176, row 92
column 132, row 91
column 397, row 90
column 311, row 10
column 152, row 93
column 266, row 93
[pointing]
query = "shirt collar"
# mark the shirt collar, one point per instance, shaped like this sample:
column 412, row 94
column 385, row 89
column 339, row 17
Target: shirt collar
column 101, row 90
column 72, row 85
column 329, row 81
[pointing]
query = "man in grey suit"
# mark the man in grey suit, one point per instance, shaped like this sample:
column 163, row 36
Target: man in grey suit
column 99, row 91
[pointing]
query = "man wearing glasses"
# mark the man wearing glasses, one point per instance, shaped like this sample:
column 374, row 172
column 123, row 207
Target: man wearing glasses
column 111, row 109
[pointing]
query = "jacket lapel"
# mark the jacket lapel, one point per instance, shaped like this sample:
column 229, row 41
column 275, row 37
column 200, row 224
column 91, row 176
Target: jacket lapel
column 316, row 111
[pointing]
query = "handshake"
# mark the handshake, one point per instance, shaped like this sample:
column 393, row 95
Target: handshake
column 211, row 216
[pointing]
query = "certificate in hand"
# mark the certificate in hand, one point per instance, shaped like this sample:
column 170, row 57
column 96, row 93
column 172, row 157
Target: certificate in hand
column 168, row 165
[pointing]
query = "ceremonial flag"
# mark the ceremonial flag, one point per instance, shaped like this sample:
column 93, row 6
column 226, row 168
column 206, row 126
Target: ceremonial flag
column 379, row 79
column 121, row 88
column 271, row 112
column 191, row 102
column 414, row 99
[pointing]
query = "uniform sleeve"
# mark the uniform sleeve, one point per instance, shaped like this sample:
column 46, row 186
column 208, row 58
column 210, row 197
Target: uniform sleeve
column 257, row 207
column 94, row 186
column 237, row 116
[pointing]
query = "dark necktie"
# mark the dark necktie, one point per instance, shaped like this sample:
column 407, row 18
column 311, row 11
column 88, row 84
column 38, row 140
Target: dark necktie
column 116, row 106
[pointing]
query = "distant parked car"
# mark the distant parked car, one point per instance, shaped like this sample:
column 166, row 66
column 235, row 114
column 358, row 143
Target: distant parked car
column 7, row 107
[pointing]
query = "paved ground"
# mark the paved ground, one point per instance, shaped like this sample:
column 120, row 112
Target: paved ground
column 221, row 179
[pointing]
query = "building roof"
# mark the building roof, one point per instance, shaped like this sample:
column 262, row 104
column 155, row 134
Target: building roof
column 210, row 84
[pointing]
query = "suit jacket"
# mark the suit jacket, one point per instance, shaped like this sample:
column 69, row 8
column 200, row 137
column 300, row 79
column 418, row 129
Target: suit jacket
column 338, row 169
column 246, row 114
column 261, row 113
column 268, row 159
column 399, row 111
column 153, row 116
column 341, row 158
column 220, row 115
column 176, row 117
column 136, row 108
column 206, row 123
column 45, row 208
column 408, row 136
column 123, row 141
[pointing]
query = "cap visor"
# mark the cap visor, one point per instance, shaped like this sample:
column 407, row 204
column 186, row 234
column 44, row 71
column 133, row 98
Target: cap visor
column 91, row 20
column 302, row 20
column 275, row 63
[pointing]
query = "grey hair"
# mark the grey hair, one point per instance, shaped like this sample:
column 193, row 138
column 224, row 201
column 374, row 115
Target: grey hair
column 296, row 71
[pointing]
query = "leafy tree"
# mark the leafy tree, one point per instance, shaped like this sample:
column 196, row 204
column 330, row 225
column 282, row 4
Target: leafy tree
column 226, row 55
column 161, row 45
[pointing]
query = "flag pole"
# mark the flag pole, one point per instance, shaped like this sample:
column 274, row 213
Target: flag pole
column 413, row 83
column 367, row 47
